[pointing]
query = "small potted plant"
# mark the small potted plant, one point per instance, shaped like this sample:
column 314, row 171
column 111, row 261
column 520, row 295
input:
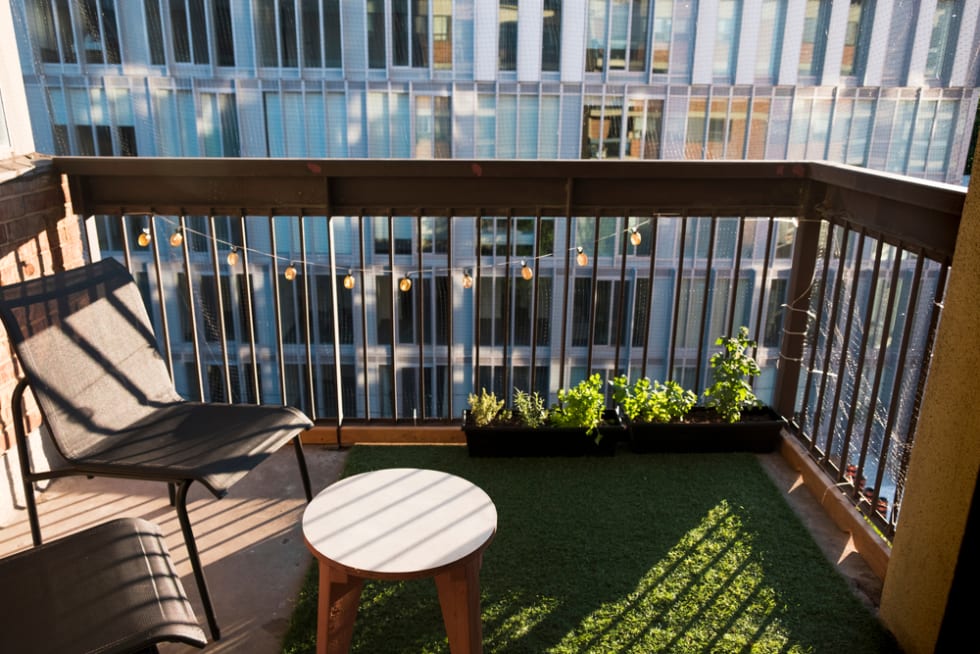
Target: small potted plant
column 573, row 427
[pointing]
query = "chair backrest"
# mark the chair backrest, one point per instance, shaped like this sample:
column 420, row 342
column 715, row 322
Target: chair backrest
column 88, row 350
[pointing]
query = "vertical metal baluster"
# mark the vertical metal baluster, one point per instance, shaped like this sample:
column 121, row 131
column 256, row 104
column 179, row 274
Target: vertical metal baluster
column 653, row 269
column 703, row 343
column 876, row 383
column 862, row 354
column 124, row 230
column 191, row 313
column 893, row 408
column 164, row 321
column 449, row 313
column 364, row 331
column 597, row 220
column 250, row 310
column 619, row 327
column 506, row 362
column 535, row 289
column 675, row 313
column 817, row 320
column 222, row 328
column 763, row 288
column 842, row 365
column 837, row 301
column 476, row 301
column 736, row 272
column 274, row 268
column 335, row 291
column 419, row 321
column 306, row 317
column 567, row 274
column 394, row 314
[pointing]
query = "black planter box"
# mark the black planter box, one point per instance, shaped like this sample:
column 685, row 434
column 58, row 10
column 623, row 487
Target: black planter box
column 543, row 441
column 704, row 431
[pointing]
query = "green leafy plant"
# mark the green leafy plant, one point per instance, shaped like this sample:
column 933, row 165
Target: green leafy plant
column 529, row 409
column 580, row 406
column 731, row 369
column 652, row 402
column 484, row 408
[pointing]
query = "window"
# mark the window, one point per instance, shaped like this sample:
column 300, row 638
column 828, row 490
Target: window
column 607, row 312
column 643, row 128
column 433, row 127
column 726, row 40
column 617, row 35
column 551, row 36
column 770, row 42
column 294, row 31
column 815, row 26
column 442, row 34
column 192, row 25
column 507, row 40
column 218, row 125
column 859, row 18
column 376, row 33
column 435, row 235
column 410, row 33
column 493, row 237
column 663, row 14
column 435, row 311
column 53, row 27
column 942, row 44
column 601, row 131
column 323, row 328
column 154, row 32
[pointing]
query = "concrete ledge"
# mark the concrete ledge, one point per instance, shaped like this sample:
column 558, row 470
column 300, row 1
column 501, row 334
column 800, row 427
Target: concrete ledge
column 867, row 542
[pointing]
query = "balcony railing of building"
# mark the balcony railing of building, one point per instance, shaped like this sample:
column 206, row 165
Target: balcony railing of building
column 387, row 291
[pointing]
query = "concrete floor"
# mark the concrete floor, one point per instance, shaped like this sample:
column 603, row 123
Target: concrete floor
column 253, row 550
column 250, row 541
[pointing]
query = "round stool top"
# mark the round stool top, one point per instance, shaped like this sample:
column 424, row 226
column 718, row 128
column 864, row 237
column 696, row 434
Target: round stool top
column 399, row 521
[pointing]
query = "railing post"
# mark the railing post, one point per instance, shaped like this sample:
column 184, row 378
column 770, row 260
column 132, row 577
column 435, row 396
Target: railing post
column 795, row 323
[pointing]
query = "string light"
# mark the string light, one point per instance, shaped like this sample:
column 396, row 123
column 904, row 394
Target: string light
column 467, row 279
column 176, row 238
column 526, row 271
column 405, row 284
column 635, row 237
column 233, row 257
column 349, row 280
column 144, row 238
column 581, row 258
column 290, row 272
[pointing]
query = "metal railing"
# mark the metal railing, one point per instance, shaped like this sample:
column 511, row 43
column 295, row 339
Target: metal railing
column 838, row 272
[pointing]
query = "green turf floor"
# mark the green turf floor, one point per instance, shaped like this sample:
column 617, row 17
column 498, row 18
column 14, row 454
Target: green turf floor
column 634, row 553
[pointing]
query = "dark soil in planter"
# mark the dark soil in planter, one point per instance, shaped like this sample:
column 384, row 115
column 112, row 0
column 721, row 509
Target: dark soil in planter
column 705, row 431
column 515, row 440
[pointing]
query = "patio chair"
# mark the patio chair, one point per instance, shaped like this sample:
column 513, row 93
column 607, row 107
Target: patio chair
column 90, row 358
column 110, row 588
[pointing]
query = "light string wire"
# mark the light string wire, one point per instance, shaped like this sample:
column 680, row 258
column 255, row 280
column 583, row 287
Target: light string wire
column 517, row 261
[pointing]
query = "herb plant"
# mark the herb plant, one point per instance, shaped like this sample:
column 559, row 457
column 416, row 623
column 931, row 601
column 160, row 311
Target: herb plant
column 652, row 402
column 484, row 407
column 529, row 409
column 731, row 369
column 580, row 406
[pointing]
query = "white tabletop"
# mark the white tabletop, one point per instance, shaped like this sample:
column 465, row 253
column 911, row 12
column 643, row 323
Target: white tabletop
column 399, row 521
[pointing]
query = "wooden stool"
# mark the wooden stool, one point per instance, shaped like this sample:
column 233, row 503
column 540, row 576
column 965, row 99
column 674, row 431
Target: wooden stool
column 397, row 524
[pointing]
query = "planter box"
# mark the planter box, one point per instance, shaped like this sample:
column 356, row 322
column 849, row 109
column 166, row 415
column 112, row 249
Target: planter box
column 757, row 431
column 543, row 441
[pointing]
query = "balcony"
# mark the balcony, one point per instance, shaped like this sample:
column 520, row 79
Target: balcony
column 279, row 281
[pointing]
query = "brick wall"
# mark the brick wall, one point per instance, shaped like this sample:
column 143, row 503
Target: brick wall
column 38, row 236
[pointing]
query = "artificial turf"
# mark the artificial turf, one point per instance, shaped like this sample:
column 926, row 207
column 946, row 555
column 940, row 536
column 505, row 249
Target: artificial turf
column 634, row 553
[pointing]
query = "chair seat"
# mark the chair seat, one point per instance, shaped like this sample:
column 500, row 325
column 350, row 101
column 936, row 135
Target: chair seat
column 216, row 444
column 111, row 588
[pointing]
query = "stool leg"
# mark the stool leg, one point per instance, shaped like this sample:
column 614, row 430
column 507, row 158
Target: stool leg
column 340, row 594
column 459, row 596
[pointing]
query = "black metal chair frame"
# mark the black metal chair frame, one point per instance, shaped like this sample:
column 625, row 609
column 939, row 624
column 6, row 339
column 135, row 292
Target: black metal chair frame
column 178, row 486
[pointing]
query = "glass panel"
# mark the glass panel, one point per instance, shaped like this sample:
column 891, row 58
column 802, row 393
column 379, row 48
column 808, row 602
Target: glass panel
column 859, row 17
column 331, row 35
column 154, row 31
column 663, row 13
column 694, row 142
column 639, row 23
column 551, row 36
column 814, row 37
column 726, row 39
column 310, row 25
column 770, row 41
column 507, row 40
column 442, row 34
column 287, row 33
column 945, row 26
column 596, row 52
column 224, row 37
column 376, row 33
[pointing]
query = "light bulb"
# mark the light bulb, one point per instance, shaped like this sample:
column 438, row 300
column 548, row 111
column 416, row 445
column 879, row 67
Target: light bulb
column 582, row 258
column 635, row 237
column 467, row 279
column 289, row 273
column 405, row 284
column 144, row 238
column 526, row 271
column 349, row 280
column 176, row 238
column 233, row 257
